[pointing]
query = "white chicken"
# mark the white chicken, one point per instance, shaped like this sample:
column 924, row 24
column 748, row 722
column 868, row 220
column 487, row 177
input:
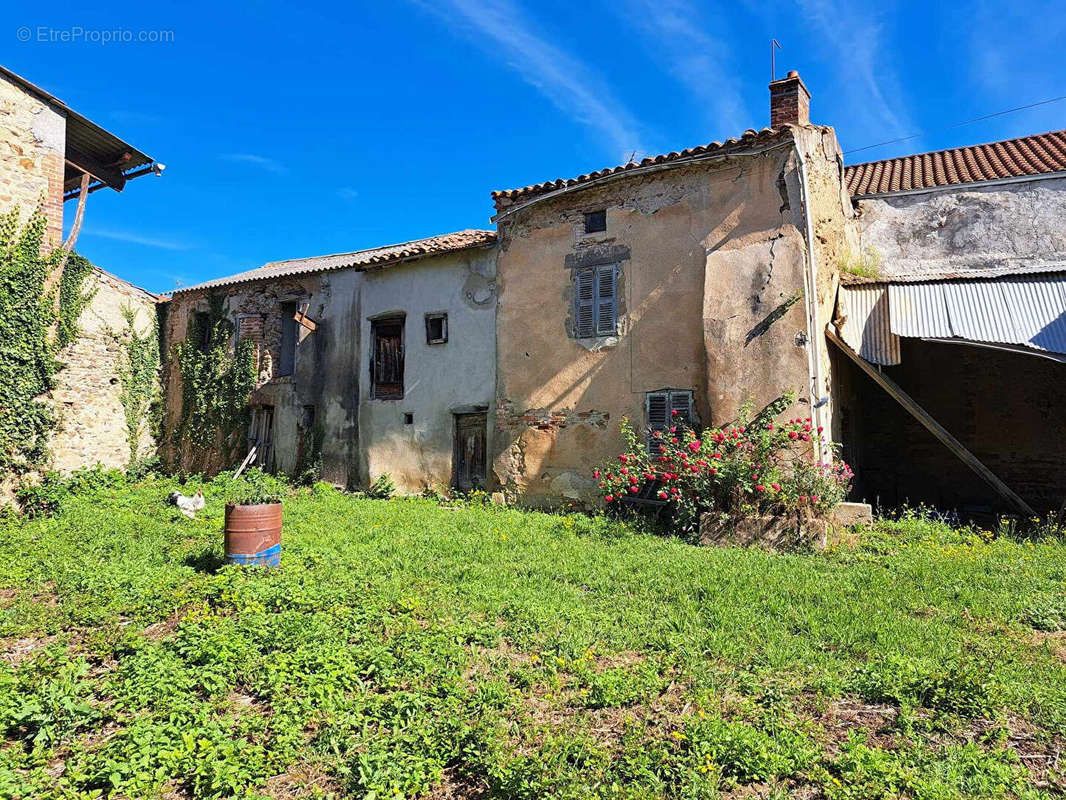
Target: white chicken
column 188, row 505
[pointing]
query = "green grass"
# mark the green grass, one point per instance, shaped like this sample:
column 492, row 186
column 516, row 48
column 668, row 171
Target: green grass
column 406, row 649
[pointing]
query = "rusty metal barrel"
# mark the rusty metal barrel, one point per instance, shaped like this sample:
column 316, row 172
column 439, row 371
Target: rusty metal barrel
column 253, row 535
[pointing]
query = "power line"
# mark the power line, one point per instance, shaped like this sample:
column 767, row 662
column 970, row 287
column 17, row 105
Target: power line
column 956, row 125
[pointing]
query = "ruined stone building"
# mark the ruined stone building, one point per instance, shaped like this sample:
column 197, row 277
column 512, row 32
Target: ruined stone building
column 916, row 305
column 51, row 154
column 388, row 352
column 695, row 282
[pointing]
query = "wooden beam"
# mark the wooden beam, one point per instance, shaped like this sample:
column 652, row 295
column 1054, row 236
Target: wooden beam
column 111, row 175
column 954, row 445
column 301, row 317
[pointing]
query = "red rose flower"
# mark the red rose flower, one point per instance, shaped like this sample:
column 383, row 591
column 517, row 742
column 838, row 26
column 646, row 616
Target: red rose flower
column 760, row 488
column 776, row 487
column 633, row 489
column 595, row 473
column 609, row 498
column 673, row 413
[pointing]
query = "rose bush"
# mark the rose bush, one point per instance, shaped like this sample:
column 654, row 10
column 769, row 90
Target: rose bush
column 756, row 466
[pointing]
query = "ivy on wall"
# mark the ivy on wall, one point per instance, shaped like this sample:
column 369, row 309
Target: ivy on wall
column 138, row 375
column 73, row 298
column 31, row 334
column 216, row 382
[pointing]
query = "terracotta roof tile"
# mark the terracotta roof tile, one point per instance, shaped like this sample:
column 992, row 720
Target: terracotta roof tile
column 751, row 138
column 375, row 258
column 1039, row 154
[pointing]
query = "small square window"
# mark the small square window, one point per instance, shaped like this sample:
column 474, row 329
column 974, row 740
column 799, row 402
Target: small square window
column 596, row 221
column 436, row 328
column 408, row 418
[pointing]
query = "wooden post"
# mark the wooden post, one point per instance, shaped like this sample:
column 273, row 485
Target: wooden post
column 896, row 392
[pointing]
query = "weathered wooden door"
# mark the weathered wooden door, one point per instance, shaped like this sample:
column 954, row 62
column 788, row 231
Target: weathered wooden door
column 263, row 437
column 469, row 457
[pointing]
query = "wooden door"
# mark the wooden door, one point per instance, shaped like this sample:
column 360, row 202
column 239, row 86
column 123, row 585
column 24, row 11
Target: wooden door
column 469, row 460
column 263, row 437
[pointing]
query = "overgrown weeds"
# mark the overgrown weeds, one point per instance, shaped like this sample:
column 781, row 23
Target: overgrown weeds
column 405, row 649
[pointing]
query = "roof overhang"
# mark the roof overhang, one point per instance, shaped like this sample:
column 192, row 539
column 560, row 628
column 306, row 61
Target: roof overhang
column 109, row 161
column 1022, row 312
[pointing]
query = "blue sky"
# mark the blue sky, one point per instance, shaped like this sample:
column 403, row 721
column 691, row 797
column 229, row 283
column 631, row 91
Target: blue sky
column 292, row 131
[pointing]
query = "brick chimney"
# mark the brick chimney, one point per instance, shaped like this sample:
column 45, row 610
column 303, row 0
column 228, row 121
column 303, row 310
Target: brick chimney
column 790, row 102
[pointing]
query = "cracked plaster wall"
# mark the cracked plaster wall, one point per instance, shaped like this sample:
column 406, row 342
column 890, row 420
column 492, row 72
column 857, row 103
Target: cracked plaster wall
column 707, row 253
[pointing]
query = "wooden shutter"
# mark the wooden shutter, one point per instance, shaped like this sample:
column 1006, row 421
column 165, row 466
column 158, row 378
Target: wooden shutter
column 658, row 413
column 585, row 304
column 681, row 402
column 388, row 358
column 606, row 301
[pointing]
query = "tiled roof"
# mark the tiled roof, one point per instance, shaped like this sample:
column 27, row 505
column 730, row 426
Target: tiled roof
column 1014, row 158
column 507, row 197
column 375, row 258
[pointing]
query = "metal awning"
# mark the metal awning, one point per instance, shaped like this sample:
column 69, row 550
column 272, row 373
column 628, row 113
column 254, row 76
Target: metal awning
column 90, row 148
column 1025, row 312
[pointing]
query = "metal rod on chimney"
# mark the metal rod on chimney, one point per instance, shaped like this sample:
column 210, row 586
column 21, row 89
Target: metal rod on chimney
column 773, row 61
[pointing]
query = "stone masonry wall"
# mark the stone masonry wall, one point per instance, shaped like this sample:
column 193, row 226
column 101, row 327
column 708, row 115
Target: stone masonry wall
column 32, row 144
column 92, row 421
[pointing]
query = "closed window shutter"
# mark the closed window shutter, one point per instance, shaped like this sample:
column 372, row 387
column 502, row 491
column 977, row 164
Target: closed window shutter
column 658, row 413
column 681, row 402
column 585, row 304
column 606, row 303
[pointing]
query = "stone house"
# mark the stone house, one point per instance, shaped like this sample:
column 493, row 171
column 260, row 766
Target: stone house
column 694, row 281
column 49, row 154
column 384, row 357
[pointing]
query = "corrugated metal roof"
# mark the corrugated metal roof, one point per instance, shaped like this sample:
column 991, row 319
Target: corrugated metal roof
column 85, row 136
column 1024, row 310
column 373, row 258
column 866, row 326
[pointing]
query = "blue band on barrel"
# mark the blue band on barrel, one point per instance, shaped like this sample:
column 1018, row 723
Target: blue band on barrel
column 270, row 557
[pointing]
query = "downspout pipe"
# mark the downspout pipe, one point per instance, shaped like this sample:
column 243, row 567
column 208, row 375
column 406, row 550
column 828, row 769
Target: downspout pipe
column 819, row 402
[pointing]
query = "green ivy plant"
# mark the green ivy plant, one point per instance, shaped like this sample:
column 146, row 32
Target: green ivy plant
column 73, row 297
column 32, row 333
column 216, row 381
column 138, row 375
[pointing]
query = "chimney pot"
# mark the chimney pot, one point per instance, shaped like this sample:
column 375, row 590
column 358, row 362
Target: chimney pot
column 790, row 102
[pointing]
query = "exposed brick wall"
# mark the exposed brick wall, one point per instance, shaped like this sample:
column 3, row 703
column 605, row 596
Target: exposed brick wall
column 32, row 144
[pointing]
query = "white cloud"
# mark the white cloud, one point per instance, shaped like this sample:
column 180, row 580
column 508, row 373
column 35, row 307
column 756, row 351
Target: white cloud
column 347, row 193
column 502, row 28
column 867, row 74
column 264, row 162
column 134, row 237
column 676, row 34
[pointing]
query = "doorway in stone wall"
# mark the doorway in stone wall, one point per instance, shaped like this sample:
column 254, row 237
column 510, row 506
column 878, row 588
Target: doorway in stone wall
column 469, row 456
